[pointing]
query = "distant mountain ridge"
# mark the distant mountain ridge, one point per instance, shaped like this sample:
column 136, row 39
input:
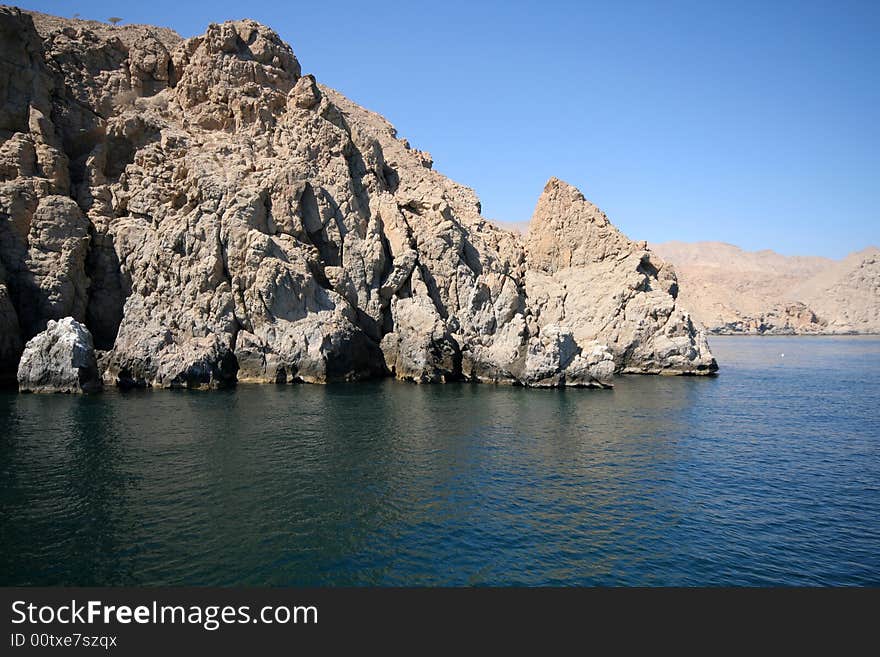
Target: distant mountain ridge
column 731, row 290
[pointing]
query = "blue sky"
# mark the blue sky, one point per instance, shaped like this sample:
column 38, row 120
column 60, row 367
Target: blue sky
column 751, row 123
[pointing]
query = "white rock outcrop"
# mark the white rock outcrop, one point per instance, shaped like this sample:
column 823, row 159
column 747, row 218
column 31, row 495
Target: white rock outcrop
column 60, row 359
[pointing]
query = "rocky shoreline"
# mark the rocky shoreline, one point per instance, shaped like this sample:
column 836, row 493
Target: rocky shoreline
column 207, row 214
column 782, row 334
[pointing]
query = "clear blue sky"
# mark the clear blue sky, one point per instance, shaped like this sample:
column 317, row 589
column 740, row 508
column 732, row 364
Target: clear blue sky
column 751, row 123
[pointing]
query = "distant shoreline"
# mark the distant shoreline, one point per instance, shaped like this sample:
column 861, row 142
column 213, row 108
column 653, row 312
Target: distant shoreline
column 792, row 335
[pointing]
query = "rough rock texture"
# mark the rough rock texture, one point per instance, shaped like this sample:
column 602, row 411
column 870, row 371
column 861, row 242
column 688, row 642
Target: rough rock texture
column 60, row 359
column 213, row 215
column 734, row 291
column 778, row 319
column 586, row 275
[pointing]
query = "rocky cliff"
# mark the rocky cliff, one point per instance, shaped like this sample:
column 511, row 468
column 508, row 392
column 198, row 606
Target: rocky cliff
column 733, row 291
column 213, row 215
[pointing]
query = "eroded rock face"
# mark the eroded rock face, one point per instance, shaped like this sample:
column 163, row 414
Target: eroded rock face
column 420, row 347
column 607, row 290
column 50, row 280
column 215, row 216
column 779, row 319
column 60, row 359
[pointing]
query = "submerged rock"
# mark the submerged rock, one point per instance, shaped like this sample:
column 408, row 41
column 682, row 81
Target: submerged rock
column 60, row 359
column 215, row 216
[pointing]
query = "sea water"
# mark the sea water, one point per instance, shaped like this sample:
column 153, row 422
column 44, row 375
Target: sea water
column 767, row 474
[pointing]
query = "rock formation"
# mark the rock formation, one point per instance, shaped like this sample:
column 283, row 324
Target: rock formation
column 213, row 215
column 732, row 291
column 586, row 275
column 60, row 359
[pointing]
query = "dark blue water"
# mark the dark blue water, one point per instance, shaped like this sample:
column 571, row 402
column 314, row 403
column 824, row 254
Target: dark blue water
column 767, row 474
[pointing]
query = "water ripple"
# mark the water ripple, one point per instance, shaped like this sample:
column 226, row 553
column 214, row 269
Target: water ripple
column 768, row 474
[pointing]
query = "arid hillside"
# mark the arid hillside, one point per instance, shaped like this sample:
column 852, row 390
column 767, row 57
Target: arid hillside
column 731, row 290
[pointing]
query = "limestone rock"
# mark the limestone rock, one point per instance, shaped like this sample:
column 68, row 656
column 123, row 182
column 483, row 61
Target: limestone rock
column 213, row 215
column 585, row 275
column 60, row 359
column 777, row 319
column 420, row 347
column 55, row 284
column 305, row 93
column 554, row 359
column 236, row 74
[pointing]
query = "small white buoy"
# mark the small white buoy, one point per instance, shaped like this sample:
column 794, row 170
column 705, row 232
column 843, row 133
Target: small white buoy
column 782, row 355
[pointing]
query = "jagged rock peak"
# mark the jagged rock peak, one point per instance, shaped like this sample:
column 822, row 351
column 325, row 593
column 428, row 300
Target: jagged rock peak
column 236, row 74
column 566, row 230
column 583, row 273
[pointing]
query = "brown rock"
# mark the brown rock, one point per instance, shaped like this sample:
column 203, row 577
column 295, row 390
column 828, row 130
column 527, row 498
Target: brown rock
column 735, row 291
